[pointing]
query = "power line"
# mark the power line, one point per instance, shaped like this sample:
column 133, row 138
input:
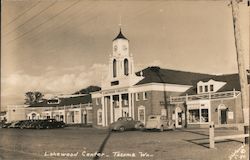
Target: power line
column 23, row 13
column 44, row 22
column 63, row 24
column 31, row 18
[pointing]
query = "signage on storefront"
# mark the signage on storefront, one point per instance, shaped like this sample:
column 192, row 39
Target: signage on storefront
column 230, row 115
column 115, row 91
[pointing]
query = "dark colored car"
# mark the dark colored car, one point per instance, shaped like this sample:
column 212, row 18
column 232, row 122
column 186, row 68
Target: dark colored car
column 6, row 125
column 125, row 123
column 50, row 123
column 25, row 124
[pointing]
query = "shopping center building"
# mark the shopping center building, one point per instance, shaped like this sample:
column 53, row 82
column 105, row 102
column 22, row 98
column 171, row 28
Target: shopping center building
column 190, row 99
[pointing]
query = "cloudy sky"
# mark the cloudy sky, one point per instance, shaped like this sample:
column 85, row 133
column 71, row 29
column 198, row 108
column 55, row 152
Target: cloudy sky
column 63, row 46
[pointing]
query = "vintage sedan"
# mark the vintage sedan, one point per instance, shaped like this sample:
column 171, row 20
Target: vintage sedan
column 125, row 123
column 159, row 122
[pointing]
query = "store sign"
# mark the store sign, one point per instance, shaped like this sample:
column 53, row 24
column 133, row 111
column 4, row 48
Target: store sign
column 115, row 91
column 230, row 115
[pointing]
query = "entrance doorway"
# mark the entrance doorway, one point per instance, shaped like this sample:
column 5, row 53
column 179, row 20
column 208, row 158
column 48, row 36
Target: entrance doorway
column 178, row 117
column 116, row 114
column 223, row 116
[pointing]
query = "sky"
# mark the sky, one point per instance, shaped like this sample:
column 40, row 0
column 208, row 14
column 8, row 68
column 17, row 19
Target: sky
column 60, row 47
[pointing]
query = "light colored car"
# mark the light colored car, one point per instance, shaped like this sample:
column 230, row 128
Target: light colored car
column 125, row 123
column 159, row 122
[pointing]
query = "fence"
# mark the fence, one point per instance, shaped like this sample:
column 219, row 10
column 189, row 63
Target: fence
column 213, row 138
column 217, row 95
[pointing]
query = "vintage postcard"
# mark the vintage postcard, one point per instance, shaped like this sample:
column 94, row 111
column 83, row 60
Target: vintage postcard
column 124, row 80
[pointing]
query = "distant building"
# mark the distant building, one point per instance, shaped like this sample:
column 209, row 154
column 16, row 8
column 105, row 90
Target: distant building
column 190, row 99
column 15, row 112
column 71, row 109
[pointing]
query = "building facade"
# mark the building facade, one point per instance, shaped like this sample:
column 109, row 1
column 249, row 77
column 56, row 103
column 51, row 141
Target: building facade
column 190, row 99
column 71, row 109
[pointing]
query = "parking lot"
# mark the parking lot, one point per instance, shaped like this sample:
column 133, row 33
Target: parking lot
column 83, row 143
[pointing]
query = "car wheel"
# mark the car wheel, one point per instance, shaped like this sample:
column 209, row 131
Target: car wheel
column 47, row 127
column 162, row 129
column 141, row 127
column 121, row 129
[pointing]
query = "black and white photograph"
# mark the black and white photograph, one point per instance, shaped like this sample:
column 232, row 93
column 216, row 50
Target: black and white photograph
column 125, row 80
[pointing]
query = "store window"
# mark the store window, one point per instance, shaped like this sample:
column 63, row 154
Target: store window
column 198, row 113
column 99, row 117
column 204, row 115
column 194, row 116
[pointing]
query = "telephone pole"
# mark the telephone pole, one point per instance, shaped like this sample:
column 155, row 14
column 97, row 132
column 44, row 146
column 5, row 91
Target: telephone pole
column 241, row 66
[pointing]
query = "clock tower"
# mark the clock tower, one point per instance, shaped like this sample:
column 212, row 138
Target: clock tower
column 121, row 65
column 121, row 61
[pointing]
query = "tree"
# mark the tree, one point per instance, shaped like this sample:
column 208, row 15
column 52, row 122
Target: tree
column 33, row 97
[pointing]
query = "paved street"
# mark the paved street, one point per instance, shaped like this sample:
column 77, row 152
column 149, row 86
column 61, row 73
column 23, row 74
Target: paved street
column 82, row 143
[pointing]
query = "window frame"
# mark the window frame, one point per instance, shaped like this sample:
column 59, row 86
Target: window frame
column 211, row 88
column 145, row 96
column 137, row 96
column 199, row 107
column 206, row 88
column 200, row 89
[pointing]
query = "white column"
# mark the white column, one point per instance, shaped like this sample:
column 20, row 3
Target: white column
column 64, row 116
column 120, row 104
column 129, row 105
column 133, row 105
column 103, row 115
column 106, row 110
column 80, row 116
column 111, row 109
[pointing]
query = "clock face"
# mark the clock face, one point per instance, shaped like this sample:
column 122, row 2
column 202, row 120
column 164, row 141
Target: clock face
column 115, row 48
column 124, row 48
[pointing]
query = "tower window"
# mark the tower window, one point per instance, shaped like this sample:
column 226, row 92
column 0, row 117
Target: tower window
column 114, row 68
column 126, row 67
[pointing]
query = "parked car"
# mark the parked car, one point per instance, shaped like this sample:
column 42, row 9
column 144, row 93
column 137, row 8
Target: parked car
column 18, row 124
column 13, row 124
column 6, row 125
column 159, row 122
column 125, row 123
column 25, row 124
column 50, row 123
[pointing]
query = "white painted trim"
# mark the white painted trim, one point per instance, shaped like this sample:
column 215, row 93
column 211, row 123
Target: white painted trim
column 144, row 111
column 111, row 109
column 159, row 87
column 103, row 114
column 176, row 116
column 98, row 111
column 120, row 104
column 129, row 105
column 133, row 105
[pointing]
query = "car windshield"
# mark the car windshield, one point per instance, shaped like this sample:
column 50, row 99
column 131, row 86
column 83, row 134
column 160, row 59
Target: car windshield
column 120, row 119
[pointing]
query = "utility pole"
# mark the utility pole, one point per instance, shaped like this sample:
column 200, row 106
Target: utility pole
column 241, row 66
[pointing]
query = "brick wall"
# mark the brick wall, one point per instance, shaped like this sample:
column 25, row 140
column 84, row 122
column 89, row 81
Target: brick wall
column 233, row 105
